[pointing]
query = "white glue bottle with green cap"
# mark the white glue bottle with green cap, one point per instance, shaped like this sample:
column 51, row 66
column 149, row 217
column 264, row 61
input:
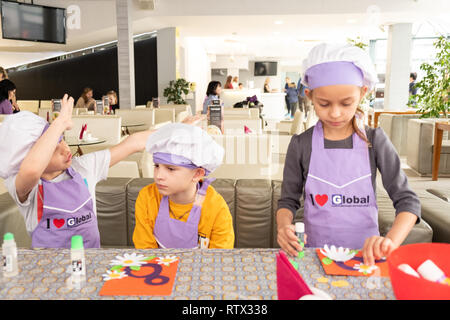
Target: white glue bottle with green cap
column 77, row 260
column 300, row 233
column 9, row 252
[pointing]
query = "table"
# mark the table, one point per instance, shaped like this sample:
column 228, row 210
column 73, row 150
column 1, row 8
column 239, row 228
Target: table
column 202, row 274
column 75, row 142
column 128, row 125
column 439, row 128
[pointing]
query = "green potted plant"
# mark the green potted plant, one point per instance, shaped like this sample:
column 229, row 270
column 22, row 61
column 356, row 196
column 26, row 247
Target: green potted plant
column 176, row 90
column 433, row 94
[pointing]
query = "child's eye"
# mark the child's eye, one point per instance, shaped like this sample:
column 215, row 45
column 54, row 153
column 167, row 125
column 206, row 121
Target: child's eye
column 156, row 165
column 323, row 105
column 347, row 105
column 171, row 169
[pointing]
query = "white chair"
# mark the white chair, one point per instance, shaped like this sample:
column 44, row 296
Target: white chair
column 45, row 104
column 137, row 116
column 164, row 114
column 29, row 105
column 124, row 169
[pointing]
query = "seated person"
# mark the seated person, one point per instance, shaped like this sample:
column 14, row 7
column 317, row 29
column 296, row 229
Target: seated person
column 86, row 100
column 113, row 101
column 7, row 94
column 181, row 209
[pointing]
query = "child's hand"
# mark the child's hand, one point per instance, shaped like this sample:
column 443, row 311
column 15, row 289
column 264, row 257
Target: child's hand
column 288, row 241
column 194, row 120
column 65, row 115
column 375, row 248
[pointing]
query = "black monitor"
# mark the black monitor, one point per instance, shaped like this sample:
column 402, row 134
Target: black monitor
column 265, row 68
column 24, row 21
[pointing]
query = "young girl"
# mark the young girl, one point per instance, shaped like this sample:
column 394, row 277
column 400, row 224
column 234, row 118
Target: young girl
column 181, row 209
column 55, row 193
column 212, row 93
column 334, row 163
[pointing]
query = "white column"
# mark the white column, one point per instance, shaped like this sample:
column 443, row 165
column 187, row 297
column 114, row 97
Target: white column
column 166, row 44
column 125, row 54
column 396, row 92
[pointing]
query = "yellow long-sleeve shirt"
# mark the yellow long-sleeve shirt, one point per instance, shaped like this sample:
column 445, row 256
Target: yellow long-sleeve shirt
column 215, row 225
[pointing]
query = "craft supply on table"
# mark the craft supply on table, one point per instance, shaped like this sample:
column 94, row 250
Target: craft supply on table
column 78, row 261
column 300, row 233
column 430, row 271
column 348, row 262
column 9, row 252
column 133, row 274
column 406, row 268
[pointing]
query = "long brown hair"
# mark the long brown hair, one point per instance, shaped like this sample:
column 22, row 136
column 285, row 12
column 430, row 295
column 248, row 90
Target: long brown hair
column 83, row 95
column 4, row 73
column 360, row 113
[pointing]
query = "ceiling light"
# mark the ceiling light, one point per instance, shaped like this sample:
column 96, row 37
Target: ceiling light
column 279, row 22
column 351, row 20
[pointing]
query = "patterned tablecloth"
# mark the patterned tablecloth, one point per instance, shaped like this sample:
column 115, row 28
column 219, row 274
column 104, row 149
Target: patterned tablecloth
column 202, row 274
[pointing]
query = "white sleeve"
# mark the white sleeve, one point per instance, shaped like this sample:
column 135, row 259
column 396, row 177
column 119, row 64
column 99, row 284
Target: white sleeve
column 96, row 163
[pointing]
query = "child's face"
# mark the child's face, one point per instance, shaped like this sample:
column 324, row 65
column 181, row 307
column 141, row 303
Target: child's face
column 61, row 158
column 172, row 179
column 218, row 90
column 336, row 105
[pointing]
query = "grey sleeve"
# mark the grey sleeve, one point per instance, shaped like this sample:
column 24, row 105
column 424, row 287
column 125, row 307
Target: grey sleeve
column 394, row 179
column 292, row 186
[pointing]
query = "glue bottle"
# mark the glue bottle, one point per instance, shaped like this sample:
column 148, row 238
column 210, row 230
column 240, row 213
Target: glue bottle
column 432, row 272
column 300, row 233
column 9, row 252
column 78, row 262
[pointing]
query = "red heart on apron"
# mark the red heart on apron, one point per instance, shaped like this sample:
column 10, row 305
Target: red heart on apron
column 58, row 223
column 321, row 199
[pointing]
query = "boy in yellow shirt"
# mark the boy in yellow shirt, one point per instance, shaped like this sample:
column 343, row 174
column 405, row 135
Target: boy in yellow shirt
column 181, row 209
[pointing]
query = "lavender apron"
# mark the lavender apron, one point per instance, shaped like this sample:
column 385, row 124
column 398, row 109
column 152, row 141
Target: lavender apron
column 173, row 233
column 67, row 211
column 340, row 204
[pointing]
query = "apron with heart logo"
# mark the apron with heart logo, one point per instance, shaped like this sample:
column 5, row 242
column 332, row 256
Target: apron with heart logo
column 340, row 204
column 67, row 211
column 172, row 233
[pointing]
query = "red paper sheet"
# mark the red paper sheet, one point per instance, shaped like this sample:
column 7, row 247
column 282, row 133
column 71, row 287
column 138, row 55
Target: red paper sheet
column 353, row 267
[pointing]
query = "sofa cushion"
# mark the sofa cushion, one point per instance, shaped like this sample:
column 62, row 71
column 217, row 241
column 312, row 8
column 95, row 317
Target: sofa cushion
column 112, row 212
column 253, row 213
column 443, row 194
column 227, row 189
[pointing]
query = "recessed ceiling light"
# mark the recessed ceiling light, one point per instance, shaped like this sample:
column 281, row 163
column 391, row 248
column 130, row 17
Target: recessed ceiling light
column 351, row 20
column 279, row 22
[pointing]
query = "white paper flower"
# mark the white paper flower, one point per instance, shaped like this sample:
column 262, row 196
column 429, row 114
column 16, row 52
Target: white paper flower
column 111, row 275
column 129, row 260
column 361, row 267
column 167, row 260
column 339, row 254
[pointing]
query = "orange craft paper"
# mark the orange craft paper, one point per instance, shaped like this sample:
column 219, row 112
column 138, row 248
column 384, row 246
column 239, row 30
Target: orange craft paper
column 335, row 270
column 130, row 286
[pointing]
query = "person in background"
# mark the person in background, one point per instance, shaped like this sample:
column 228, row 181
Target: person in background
column 292, row 98
column 212, row 93
column 303, row 102
column 86, row 100
column 286, row 87
column 267, row 85
column 412, row 83
column 228, row 84
column 3, row 74
column 240, row 86
column 113, row 101
column 7, row 93
column 235, row 83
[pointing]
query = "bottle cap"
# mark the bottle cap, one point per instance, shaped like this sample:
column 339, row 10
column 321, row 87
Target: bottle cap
column 77, row 242
column 8, row 236
column 299, row 227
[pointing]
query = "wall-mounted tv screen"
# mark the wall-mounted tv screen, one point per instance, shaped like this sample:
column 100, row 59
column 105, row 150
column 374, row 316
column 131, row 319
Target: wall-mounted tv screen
column 23, row 21
column 265, row 68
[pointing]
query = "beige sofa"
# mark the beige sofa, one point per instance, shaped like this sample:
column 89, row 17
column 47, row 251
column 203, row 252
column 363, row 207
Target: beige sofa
column 420, row 147
column 396, row 128
column 29, row 105
column 136, row 116
column 252, row 203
